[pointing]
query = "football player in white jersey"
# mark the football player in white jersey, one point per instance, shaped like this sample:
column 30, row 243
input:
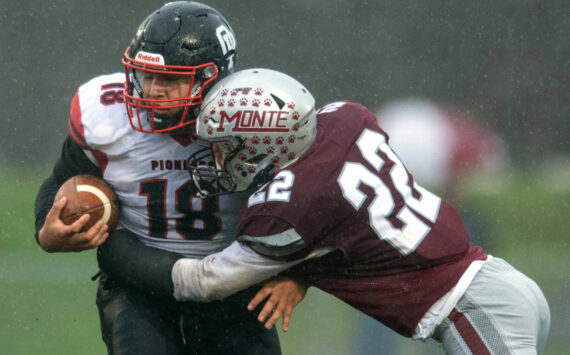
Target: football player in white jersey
column 134, row 133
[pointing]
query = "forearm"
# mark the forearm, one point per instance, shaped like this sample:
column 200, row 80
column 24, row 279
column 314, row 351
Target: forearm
column 125, row 258
column 44, row 201
column 220, row 275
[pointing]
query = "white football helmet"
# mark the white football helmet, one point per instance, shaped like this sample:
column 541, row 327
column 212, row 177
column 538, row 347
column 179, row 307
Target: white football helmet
column 253, row 122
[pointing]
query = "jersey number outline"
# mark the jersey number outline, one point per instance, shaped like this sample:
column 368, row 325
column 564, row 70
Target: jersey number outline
column 404, row 238
column 198, row 221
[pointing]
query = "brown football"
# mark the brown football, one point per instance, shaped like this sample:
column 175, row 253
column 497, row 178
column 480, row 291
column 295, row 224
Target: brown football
column 88, row 194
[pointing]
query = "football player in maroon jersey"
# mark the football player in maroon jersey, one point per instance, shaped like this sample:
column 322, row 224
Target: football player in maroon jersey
column 337, row 209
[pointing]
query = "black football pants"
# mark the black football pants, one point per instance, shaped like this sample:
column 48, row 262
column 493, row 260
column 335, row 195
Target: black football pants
column 133, row 322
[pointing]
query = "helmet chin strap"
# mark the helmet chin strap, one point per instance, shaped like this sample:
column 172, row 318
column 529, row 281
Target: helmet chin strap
column 160, row 121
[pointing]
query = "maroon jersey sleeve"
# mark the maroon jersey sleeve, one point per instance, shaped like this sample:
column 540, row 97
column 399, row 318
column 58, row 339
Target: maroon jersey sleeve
column 399, row 243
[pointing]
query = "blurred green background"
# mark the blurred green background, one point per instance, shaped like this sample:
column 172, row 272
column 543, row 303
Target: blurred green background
column 505, row 63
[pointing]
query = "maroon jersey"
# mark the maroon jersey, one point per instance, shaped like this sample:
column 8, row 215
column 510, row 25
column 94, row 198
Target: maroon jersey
column 400, row 247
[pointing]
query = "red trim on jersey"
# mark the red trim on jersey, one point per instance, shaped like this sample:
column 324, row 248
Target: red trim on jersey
column 76, row 128
column 102, row 159
column 468, row 333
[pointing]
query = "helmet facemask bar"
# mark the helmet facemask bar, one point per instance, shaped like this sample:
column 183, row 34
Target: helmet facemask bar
column 209, row 167
column 144, row 110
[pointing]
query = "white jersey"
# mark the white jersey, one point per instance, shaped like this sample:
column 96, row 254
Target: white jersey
column 149, row 174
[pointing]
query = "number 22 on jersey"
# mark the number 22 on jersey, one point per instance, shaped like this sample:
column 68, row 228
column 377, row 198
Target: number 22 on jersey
column 377, row 153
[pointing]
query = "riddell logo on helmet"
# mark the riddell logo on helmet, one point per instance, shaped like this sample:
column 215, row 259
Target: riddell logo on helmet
column 254, row 121
column 151, row 58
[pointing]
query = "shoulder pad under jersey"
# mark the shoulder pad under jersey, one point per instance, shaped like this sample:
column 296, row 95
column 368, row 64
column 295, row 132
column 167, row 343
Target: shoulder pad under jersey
column 98, row 115
column 280, row 245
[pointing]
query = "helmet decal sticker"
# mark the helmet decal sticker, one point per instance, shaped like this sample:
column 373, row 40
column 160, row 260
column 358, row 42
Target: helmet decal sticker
column 227, row 42
column 151, row 58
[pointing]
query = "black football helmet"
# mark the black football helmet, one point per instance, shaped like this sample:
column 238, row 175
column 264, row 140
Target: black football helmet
column 185, row 41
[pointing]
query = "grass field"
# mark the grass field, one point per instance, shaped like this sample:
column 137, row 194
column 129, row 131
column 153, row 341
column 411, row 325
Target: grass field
column 47, row 301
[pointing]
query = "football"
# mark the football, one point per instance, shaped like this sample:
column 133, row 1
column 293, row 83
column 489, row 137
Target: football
column 88, row 194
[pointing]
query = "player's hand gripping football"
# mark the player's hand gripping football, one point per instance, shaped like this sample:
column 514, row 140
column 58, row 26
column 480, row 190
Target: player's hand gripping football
column 282, row 294
column 56, row 236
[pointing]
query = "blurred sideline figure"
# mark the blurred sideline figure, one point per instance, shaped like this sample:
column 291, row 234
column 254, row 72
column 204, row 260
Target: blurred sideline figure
column 442, row 147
